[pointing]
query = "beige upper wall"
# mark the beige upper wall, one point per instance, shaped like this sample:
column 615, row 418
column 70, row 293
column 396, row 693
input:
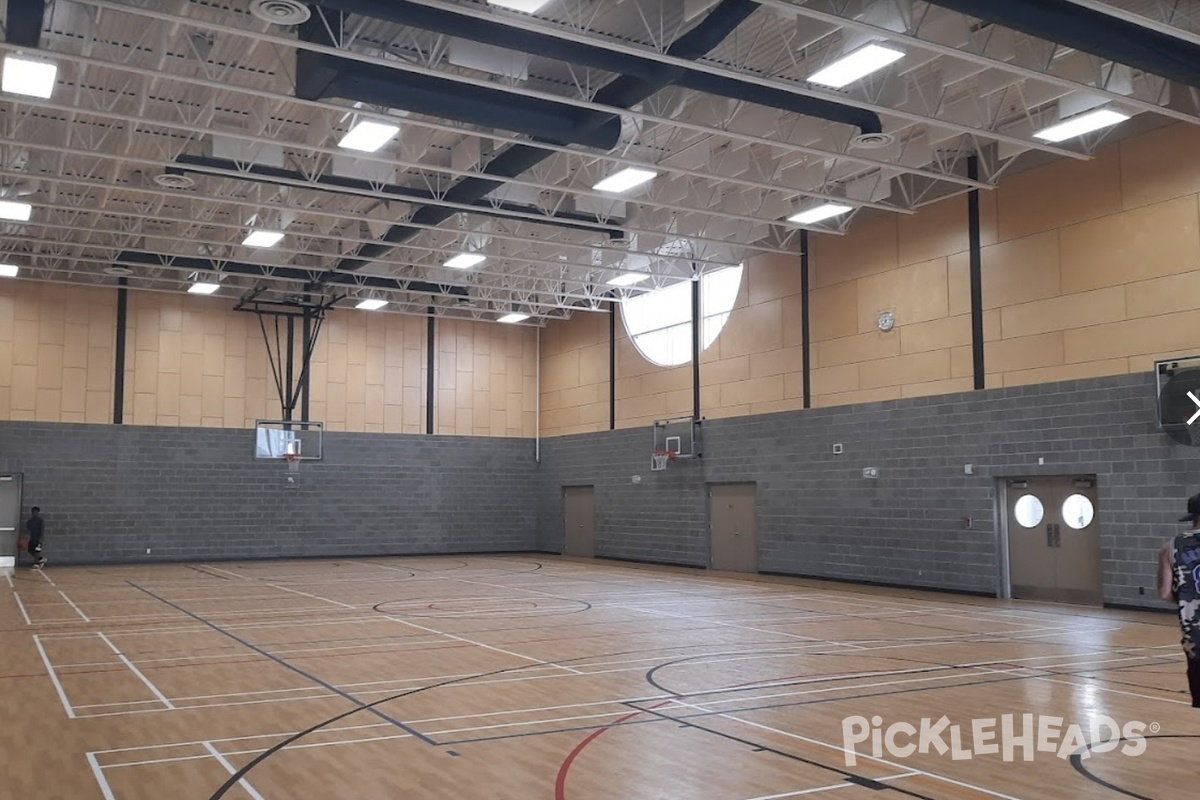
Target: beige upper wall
column 56, row 352
column 1088, row 269
column 193, row 361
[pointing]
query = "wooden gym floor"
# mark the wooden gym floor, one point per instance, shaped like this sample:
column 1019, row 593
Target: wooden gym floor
column 521, row 678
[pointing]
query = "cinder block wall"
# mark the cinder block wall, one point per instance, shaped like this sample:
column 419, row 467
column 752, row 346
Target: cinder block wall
column 818, row 516
column 109, row 492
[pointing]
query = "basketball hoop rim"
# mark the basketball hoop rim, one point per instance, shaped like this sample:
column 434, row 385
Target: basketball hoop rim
column 671, row 454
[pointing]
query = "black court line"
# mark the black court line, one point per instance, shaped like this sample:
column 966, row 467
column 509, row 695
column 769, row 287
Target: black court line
column 845, row 774
column 238, row 776
column 1077, row 762
column 203, row 571
column 407, row 729
column 683, row 718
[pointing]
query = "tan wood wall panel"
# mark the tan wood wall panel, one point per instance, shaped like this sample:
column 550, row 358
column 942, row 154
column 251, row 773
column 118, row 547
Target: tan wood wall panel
column 56, row 352
column 1086, row 267
column 193, row 361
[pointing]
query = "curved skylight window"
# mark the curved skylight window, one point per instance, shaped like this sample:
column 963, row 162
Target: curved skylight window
column 660, row 322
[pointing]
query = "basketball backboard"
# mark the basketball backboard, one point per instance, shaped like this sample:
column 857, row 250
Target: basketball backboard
column 679, row 435
column 276, row 439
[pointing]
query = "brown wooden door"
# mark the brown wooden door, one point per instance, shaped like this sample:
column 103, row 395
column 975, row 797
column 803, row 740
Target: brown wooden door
column 1054, row 540
column 1079, row 578
column 580, row 520
column 734, row 527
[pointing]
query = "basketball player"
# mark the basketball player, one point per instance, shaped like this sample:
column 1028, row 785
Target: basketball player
column 34, row 526
column 1179, row 582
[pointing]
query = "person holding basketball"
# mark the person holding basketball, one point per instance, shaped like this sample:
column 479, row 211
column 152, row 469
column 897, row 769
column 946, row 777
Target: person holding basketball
column 1179, row 583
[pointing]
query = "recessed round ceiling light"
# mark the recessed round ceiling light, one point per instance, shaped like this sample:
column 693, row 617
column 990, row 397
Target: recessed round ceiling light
column 121, row 271
column 280, row 12
column 171, row 181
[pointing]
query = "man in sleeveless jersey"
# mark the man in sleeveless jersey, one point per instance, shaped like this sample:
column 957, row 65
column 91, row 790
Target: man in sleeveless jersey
column 1179, row 583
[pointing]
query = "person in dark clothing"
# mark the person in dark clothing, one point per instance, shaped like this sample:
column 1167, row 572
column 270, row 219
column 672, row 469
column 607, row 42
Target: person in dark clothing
column 35, row 526
column 1179, row 583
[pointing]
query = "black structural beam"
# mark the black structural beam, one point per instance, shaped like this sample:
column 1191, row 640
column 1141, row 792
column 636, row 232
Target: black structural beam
column 805, row 335
column 24, row 23
column 430, row 373
column 976, row 269
column 119, row 362
column 612, row 365
column 696, row 324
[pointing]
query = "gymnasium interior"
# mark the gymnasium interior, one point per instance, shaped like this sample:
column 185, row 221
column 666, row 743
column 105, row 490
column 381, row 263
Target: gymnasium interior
column 597, row 399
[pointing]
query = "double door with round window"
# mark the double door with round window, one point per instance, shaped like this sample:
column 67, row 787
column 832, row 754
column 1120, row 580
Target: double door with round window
column 1054, row 540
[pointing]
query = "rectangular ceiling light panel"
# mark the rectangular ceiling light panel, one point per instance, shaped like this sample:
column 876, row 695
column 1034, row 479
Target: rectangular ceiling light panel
column 855, row 66
column 368, row 136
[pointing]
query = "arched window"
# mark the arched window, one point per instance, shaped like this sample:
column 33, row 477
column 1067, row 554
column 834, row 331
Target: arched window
column 660, row 322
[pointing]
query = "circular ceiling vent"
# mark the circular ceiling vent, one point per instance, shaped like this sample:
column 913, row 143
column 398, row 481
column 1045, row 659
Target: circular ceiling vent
column 873, row 141
column 170, row 181
column 119, row 271
column 280, row 12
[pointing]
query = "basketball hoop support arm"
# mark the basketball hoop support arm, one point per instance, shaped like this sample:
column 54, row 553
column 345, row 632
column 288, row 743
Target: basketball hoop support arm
column 284, row 316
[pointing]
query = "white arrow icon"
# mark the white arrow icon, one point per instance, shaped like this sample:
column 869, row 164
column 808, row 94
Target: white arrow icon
column 1197, row 414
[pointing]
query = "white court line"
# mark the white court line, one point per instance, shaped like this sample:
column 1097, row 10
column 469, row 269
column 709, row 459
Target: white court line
column 8, row 577
column 62, row 695
column 1110, row 690
column 105, row 789
column 484, row 646
column 21, row 606
column 245, row 784
column 830, row 788
column 72, row 604
column 284, row 588
column 695, row 618
column 162, row 698
column 42, row 572
column 843, row 750
column 313, row 596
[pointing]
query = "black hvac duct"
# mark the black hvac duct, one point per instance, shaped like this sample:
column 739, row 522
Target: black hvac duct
column 1091, row 32
column 258, row 173
column 466, row 24
column 187, row 264
column 623, row 92
column 24, row 23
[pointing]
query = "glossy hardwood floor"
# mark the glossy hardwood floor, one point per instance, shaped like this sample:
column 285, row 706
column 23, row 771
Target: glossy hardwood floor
column 515, row 678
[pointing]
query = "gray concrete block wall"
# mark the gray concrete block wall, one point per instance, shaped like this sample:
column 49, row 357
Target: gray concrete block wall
column 109, row 492
column 818, row 516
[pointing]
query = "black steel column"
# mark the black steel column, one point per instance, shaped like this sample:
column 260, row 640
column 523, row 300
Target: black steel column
column 430, row 375
column 612, row 365
column 696, row 322
column 119, row 366
column 805, row 336
column 976, row 274
column 289, row 408
column 308, row 347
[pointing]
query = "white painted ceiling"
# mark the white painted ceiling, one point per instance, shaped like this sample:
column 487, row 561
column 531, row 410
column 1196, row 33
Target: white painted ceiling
column 143, row 84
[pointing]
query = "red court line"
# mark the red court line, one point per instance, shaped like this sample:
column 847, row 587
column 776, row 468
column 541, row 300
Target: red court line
column 560, row 783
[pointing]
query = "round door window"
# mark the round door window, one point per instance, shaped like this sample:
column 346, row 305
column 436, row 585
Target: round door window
column 1077, row 512
column 1029, row 511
